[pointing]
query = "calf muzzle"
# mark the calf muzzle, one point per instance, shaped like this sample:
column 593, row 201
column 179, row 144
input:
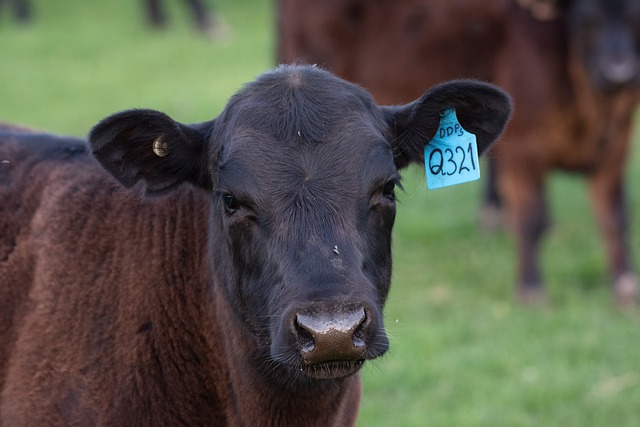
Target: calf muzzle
column 332, row 337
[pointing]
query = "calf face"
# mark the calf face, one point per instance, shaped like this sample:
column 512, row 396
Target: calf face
column 302, row 168
column 605, row 35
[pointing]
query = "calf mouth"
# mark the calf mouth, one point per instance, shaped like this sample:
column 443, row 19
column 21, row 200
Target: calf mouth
column 327, row 343
column 333, row 370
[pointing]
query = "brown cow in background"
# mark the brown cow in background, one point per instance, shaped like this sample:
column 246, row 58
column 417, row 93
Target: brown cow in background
column 570, row 65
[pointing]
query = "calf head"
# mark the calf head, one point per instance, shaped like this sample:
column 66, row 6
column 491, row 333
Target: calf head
column 302, row 169
column 605, row 36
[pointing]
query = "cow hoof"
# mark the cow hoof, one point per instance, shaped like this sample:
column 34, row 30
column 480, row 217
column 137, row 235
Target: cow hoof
column 531, row 295
column 219, row 30
column 627, row 290
column 491, row 218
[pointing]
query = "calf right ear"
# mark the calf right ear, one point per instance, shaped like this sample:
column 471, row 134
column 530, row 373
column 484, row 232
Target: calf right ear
column 148, row 145
column 481, row 108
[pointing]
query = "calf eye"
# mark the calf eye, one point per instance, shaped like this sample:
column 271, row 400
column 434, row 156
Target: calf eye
column 388, row 190
column 230, row 203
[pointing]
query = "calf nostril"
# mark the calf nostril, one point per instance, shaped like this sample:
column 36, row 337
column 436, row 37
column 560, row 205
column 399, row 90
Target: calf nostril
column 305, row 338
column 359, row 333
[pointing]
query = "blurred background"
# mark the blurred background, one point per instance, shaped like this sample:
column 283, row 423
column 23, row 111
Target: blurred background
column 464, row 352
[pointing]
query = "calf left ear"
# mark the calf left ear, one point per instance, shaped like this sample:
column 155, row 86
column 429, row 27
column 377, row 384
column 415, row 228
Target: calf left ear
column 482, row 109
column 148, row 145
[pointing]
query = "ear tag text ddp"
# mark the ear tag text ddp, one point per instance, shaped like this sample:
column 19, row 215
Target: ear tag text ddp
column 451, row 157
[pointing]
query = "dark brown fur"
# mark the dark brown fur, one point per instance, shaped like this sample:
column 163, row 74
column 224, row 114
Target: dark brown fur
column 563, row 119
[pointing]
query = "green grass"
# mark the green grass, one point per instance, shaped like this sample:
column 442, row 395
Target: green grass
column 82, row 60
column 463, row 353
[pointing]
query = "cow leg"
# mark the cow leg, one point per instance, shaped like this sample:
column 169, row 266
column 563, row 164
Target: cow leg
column 607, row 197
column 155, row 13
column 524, row 197
column 491, row 218
column 22, row 10
column 200, row 15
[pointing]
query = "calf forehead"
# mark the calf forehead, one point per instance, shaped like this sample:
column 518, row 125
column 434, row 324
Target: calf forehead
column 316, row 181
column 347, row 154
column 348, row 163
column 302, row 104
column 303, row 128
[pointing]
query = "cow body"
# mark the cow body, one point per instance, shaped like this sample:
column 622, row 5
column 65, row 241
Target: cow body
column 245, row 288
column 571, row 66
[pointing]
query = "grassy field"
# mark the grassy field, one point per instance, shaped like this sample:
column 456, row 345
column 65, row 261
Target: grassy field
column 463, row 352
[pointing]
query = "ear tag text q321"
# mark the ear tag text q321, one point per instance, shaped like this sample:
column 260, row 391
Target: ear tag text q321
column 451, row 157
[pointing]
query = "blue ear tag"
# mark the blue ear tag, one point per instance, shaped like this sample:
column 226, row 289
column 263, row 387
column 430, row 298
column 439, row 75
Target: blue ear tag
column 451, row 157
